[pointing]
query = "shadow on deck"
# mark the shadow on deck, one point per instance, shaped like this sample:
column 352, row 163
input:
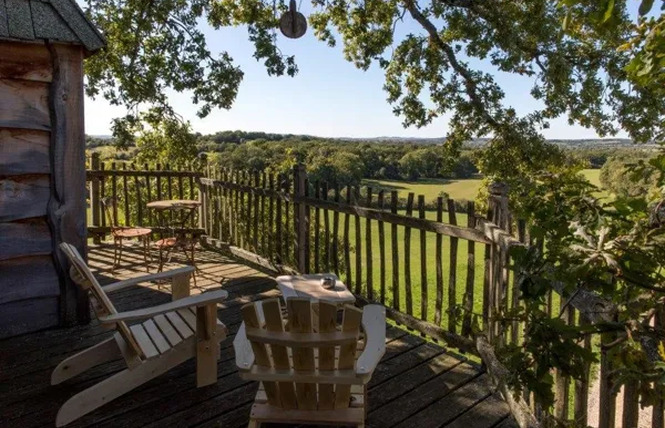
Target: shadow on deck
column 417, row 384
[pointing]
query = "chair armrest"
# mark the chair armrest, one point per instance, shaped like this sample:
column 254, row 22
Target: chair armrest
column 243, row 350
column 374, row 324
column 202, row 299
column 145, row 278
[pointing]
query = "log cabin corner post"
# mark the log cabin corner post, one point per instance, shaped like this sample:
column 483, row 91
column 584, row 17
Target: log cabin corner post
column 42, row 161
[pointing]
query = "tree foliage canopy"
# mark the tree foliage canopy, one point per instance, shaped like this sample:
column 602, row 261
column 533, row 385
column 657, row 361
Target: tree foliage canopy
column 577, row 70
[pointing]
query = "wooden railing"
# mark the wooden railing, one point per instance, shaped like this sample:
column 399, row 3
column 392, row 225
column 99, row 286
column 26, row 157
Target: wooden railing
column 132, row 186
column 438, row 271
column 431, row 274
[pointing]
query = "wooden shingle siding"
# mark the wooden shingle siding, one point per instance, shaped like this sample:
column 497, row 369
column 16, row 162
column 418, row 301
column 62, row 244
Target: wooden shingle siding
column 24, row 151
column 25, row 238
column 27, row 278
column 25, row 61
column 24, row 105
column 28, row 315
column 23, row 197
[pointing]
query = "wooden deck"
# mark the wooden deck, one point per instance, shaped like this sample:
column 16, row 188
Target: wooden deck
column 417, row 384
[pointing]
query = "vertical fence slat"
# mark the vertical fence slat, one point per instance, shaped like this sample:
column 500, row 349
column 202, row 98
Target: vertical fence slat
column 192, row 195
column 382, row 251
column 248, row 203
column 95, row 205
column 271, row 218
column 395, row 251
column 607, row 411
column 438, row 305
column 368, row 249
column 423, row 261
column 562, row 386
column 114, row 193
column 288, row 186
column 255, row 241
column 125, row 196
column 278, row 223
column 317, row 229
column 581, row 408
column 326, row 229
column 139, row 203
column 470, row 271
column 347, row 243
column 148, row 189
column 264, row 222
column 335, row 242
column 359, row 262
column 658, row 416
column 452, row 277
column 407, row 257
column 158, row 179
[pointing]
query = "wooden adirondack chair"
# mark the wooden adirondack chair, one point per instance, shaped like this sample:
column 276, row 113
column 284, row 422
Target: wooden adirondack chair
column 309, row 369
column 171, row 334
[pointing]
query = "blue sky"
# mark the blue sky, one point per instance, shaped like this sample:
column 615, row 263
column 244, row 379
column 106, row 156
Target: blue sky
column 329, row 97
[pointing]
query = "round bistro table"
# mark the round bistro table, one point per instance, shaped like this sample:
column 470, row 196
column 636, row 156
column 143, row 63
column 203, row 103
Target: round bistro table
column 183, row 210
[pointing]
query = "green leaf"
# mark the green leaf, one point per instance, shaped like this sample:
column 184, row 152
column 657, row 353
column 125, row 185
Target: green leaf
column 645, row 7
column 608, row 10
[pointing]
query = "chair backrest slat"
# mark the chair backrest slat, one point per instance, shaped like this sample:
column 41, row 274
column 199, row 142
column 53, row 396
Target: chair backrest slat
column 251, row 319
column 300, row 321
column 347, row 354
column 327, row 324
column 280, row 356
column 109, row 204
column 304, row 359
column 102, row 305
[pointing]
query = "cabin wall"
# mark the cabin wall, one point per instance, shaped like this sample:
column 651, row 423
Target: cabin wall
column 42, row 185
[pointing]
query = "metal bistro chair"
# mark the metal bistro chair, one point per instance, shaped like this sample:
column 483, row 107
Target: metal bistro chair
column 122, row 233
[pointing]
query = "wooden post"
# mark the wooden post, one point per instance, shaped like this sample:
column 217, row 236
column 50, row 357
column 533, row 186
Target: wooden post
column 94, row 196
column 499, row 214
column 66, row 206
column 203, row 158
column 300, row 218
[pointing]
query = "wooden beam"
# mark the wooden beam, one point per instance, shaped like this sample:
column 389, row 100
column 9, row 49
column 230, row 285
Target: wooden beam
column 499, row 374
column 66, row 208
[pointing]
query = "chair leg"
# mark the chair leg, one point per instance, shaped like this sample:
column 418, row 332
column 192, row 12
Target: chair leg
column 119, row 384
column 115, row 255
column 146, row 253
column 76, row 364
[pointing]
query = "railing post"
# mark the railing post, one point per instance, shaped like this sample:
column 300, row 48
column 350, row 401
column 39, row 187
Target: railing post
column 301, row 218
column 202, row 208
column 499, row 214
column 94, row 196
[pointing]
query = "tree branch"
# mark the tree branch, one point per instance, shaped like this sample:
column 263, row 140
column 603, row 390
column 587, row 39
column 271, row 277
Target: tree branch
column 470, row 83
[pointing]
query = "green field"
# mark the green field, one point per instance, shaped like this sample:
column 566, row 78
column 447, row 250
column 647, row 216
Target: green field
column 431, row 188
column 456, row 189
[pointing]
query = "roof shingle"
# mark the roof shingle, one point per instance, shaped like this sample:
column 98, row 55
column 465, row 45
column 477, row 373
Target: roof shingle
column 54, row 20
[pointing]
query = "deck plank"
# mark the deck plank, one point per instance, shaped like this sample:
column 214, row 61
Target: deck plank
column 417, row 382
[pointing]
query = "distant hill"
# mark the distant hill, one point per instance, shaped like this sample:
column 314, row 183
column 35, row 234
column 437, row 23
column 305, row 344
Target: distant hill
column 242, row 136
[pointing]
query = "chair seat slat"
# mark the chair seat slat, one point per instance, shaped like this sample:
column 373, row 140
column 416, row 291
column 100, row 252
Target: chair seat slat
column 167, row 330
column 142, row 338
column 156, row 336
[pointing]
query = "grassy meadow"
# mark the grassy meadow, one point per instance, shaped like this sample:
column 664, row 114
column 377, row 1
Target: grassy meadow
column 456, row 189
